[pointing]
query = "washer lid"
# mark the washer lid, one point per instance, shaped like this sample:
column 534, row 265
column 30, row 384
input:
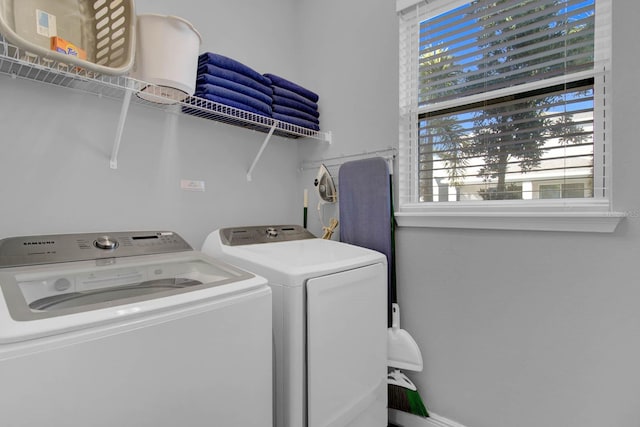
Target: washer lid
column 46, row 299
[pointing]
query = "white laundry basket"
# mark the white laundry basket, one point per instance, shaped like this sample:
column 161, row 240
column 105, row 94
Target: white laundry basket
column 167, row 57
column 104, row 30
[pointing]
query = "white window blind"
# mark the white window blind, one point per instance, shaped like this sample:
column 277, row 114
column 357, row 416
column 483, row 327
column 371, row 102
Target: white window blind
column 503, row 100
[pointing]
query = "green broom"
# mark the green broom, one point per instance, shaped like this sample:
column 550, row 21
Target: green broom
column 403, row 351
column 403, row 394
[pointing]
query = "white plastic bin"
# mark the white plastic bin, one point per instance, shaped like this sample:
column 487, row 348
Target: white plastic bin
column 166, row 56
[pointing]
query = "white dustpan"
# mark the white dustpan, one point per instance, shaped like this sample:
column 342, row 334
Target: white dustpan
column 402, row 350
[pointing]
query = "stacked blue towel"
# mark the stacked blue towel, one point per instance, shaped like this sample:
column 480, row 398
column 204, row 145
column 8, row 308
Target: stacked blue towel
column 229, row 82
column 293, row 103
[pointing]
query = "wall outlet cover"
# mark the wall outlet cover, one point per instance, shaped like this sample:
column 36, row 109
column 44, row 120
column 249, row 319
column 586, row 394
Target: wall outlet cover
column 191, row 185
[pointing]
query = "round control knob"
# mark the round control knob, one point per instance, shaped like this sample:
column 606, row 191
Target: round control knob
column 106, row 242
column 272, row 232
column 62, row 284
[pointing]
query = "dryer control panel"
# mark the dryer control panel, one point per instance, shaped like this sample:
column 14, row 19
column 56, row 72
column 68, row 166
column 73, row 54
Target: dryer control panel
column 236, row 236
column 55, row 248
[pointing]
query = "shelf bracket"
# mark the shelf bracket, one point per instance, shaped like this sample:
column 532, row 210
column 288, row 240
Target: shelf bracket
column 123, row 118
column 264, row 145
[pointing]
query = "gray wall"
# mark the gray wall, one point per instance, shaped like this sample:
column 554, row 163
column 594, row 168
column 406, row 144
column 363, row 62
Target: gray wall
column 516, row 328
column 54, row 155
column 522, row 329
column 349, row 53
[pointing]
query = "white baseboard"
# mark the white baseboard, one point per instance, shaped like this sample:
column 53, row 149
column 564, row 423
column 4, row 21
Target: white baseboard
column 404, row 419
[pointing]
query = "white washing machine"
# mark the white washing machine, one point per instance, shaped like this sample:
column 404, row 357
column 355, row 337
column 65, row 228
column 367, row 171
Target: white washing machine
column 329, row 321
column 130, row 329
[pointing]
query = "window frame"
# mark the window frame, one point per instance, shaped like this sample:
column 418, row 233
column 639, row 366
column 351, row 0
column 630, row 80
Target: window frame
column 571, row 214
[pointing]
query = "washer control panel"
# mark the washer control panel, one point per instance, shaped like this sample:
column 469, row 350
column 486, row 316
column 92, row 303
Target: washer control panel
column 48, row 249
column 236, row 236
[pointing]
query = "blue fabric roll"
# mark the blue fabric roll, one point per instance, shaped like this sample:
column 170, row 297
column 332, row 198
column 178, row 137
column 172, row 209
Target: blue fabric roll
column 291, row 103
column 294, row 113
column 235, row 96
column 212, row 70
column 236, row 87
column 233, row 65
column 296, row 121
column 230, row 102
column 277, row 90
column 365, row 206
column 293, row 87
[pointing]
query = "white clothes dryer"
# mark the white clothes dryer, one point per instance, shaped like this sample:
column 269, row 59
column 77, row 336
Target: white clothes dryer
column 133, row 330
column 329, row 323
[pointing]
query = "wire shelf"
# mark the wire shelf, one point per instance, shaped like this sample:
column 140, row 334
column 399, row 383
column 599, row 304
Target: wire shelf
column 19, row 63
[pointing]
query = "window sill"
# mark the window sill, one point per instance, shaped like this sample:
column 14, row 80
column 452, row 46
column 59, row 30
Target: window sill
column 582, row 218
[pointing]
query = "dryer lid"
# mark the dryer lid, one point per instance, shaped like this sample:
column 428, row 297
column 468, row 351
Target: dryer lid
column 290, row 262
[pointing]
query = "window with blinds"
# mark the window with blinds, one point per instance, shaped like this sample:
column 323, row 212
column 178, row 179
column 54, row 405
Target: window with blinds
column 502, row 100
